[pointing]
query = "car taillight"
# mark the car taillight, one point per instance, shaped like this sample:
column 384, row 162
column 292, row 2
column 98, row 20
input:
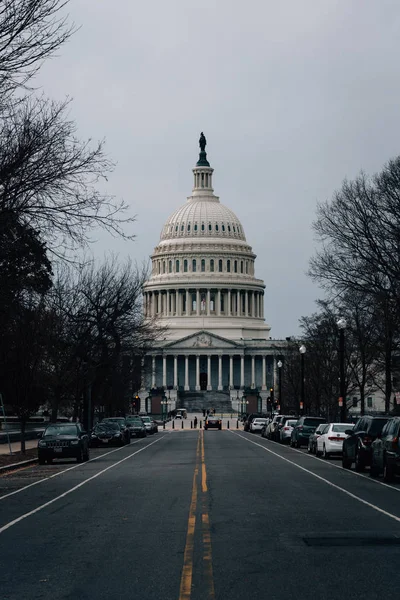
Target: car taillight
column 300, row 428
column 334, row 439
column 395, row 441
column 367, row 439
column 286, row 428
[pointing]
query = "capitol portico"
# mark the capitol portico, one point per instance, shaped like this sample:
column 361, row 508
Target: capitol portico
column 203, row 288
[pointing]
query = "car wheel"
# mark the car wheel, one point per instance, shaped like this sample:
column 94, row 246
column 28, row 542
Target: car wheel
column 374, row 471
column 346, row 462
column 79, row 458
column 388, row 475
column 298, row 445
column 359, row 463
column 317, row 452
column 325, row 453
column 86, row 455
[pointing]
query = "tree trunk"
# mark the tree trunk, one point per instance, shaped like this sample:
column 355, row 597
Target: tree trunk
column 388, row 372
column 23, row 429
column 362, row 403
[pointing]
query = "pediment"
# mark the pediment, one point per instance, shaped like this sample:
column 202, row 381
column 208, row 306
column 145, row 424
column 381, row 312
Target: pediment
column 201, row 340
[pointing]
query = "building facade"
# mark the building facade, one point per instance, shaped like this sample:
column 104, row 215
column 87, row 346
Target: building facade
column 203, row 288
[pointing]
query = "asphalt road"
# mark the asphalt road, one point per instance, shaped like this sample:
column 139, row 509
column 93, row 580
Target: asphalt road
column 195, row 514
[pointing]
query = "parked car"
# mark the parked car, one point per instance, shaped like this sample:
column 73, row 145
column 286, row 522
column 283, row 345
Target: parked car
column 257, row 424
column 249, row 419
column 386, row 451
column 150, row 424
column 304, row 427
column 271, row 427
column 280, row 424
column 285, row 432
column 123, row 425
column 212, row 422
column 357, row 446
column 312, row 440
column 107, row 434
column 63, row 440
column 136, row 426
column 331, row 440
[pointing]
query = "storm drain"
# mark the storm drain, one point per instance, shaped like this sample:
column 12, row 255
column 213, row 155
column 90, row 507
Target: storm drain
column 352, row 541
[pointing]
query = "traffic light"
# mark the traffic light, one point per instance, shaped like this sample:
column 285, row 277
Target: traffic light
column 271, row 393
column 136, row 403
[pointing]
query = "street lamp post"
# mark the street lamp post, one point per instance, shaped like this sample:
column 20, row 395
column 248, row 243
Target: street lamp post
column 342, row 324
column 302, row 350
column 280, row 365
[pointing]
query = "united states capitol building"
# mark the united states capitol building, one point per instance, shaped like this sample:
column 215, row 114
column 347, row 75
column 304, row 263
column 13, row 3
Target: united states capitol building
column 203, row 287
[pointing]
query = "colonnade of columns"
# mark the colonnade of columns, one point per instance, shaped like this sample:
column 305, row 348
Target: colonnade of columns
column 208, row 357
column 204, row 302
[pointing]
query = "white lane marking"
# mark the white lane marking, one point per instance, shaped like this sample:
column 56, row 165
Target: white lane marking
column 337, row 487
column 331, row 464
column 76, row 487
column 61, row 472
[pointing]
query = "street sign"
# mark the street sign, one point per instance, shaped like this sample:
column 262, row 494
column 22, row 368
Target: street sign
column 340, row 401
column 397, row 397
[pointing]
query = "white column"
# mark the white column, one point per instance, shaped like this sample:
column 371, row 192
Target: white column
column 231, row 371
column 239, row 308
column 209, row 386
column 229, row 303
column 275, row 374
column 175, row 371
column 168, row 311
column 187, row 303
column 264, row 383
column 197, row 372
column 198, row 302
column 219, row 303
column 164, row 371
column 242, row 371
column 220, row 371
column 186, row 373
column 153, row 372
column 262, row 305
column 253, row 370
column 208, row 302
column 253, row 305
column 246, row 305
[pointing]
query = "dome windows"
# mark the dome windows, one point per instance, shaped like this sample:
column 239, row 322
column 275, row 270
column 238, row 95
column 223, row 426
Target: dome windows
column 228, row 266
column 170, row 266
column 195, row 226
column 202, row 227
column 212, row 265
column 220, row 265
column 216, row 227
column 177, row 266
column 223, row 228
column 229, row 228
column 185, row 266
column 188, row 227
column 203, row 265
column 235, row 266
column 194, row 265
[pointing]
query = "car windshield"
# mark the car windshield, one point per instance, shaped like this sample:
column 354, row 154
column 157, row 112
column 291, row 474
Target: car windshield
column 111, row 425
column 341, row 428
column 134, row 421
column 376, row 426
column 313, row 422
column 260, row 420
column 61, row 430
column 291, row 423
column 146, row 419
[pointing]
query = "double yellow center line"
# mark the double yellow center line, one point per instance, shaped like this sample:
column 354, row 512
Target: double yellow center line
column 198, row 503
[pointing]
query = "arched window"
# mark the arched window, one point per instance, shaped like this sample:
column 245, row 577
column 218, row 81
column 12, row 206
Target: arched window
column 235, row 266
column 234, row 228
column 229, row 228
column 176, row 227
column 182, row 227
column 216, row 227
column 228, row 266
column 163, row 266
column 247, row 267
column 209, row 227
column 241, row 266
column 170, row 267
column 194, row 266
column 195, row 226
column 203, row 265
column 212, row 265
column 188, row 227
column 223, row 227
column 185, row 266
column 177, row 266
column 220, row 265
column 202, row 227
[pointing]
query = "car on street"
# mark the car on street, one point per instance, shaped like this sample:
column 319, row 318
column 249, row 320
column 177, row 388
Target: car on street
column 270, row 428
column 249, row 419
column 136, row 426
column 331, row 440
column 212, row 422
column 257, row 424
column 280, row 423
column 357, row 446
column 312, row 440
column 63, row 440
column 123, row 425
column 304, row 427
column 285, row 432
column 150, row 424
column 107, row 434
column 386, row 451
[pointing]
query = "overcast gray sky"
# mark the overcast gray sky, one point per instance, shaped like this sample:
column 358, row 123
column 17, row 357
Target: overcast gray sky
column 292, row 95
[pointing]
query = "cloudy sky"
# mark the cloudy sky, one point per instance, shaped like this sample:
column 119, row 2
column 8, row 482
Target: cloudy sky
column 293, row 96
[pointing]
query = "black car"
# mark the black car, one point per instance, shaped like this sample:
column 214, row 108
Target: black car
column 123, row 425
column 249, row 419
column 357, row 446
column 107, row 434
column 304, row 427
column 212, row 423
column 386, row 451
column 63, row 440
column 312, row 440
column 136, row 427
column 280, row 424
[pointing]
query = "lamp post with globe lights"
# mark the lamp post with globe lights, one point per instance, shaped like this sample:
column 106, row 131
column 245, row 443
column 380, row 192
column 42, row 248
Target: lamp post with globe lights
column 280, row 365
column 302, row 351
column 342, row 324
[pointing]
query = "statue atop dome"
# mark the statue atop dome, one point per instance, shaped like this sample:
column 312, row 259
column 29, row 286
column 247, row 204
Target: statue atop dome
column 202, row 142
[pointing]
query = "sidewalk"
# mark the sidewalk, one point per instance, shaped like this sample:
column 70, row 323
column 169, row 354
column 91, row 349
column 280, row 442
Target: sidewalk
column 16, row 446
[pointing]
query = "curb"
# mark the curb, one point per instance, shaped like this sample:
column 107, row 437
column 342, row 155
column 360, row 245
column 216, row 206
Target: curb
column 15, row 466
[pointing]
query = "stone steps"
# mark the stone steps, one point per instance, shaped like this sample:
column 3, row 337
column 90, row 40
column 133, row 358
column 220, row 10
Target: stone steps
column 197, row 401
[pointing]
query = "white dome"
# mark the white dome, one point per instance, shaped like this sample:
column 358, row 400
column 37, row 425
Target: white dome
column 203, row 217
